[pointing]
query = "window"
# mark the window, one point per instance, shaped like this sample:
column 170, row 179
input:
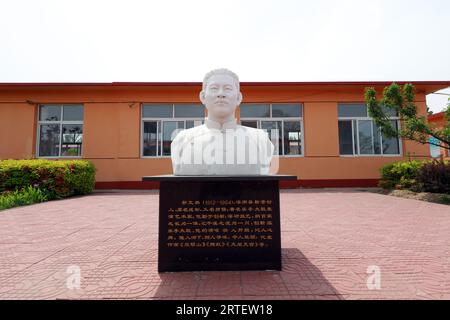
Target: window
column 358, row 134
column 60, row 130
column 159, row 121
column 282, row 121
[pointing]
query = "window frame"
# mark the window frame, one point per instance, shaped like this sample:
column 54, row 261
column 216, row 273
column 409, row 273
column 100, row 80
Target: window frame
column 60, row 122
column 160, row 125
column 358, row 154
column 282, row 119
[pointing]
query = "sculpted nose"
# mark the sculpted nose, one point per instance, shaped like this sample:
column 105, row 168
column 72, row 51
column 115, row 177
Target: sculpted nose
column 221, row 93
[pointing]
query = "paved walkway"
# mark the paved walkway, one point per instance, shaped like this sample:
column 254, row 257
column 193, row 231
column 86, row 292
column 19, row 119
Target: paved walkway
column 329, row 238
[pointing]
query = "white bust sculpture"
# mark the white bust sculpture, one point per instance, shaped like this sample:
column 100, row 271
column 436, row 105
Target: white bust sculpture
column 220, row 146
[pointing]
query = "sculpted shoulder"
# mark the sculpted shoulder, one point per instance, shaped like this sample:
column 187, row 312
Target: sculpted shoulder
column 188, row 134
column 253, row 131
column 191, row 133
column 249, row 129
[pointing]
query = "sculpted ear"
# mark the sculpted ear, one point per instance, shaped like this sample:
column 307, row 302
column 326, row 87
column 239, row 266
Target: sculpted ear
column 239, row 98
column 202, row 97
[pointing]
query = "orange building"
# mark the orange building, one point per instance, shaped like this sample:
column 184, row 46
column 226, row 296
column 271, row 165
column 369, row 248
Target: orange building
column 326, row 137
column 439, row 121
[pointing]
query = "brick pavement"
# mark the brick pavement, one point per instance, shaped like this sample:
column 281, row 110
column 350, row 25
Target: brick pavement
column 329, row 238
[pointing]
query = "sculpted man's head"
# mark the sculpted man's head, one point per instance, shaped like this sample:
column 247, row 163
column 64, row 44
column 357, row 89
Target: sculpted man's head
column 220, row 146
column 220, row 94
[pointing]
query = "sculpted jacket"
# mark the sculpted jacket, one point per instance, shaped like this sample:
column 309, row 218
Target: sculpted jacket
column 215, row 149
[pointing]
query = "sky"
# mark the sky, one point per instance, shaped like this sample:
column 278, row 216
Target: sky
column 260, row 40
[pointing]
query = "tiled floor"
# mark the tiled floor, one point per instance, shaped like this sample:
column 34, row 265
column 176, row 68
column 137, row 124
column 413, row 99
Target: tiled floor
column 329, row 238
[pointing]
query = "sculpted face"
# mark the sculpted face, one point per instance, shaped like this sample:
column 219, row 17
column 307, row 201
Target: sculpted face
column 221, row 97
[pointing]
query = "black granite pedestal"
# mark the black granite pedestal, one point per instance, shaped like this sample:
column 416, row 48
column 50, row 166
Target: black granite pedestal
column 219, row 222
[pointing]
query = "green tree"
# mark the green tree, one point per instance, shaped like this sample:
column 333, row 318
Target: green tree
column 413, row 127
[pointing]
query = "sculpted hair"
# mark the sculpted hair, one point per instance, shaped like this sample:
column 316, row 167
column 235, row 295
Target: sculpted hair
column 221, row 71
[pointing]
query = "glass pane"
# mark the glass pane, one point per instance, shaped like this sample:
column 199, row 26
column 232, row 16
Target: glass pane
column 389, row 111
column 72, row 139
column 435, row 151
column 252, row 124
column 292, row 138
column 74, row 113
column 355, row 136
column 376, row 139
column 286, row 110
column 49, row 136
column 273, row 128
column 352, row 110
column 150, row 139
column 157, row 111
column 255, row 110
column 193, row 123
column 189, row 111
column 391, row 145
column 168, row 128
column 345, row 137
column 50, row 113
column 365, row 137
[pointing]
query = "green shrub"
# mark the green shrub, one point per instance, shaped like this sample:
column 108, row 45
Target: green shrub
column 22, row 197
column 445, row 199
column 434, row 177
column 401, row 175
column 56, row 179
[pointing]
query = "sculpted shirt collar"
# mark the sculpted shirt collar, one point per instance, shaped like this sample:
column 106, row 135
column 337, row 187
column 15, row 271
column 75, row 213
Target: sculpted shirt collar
column 211, row 124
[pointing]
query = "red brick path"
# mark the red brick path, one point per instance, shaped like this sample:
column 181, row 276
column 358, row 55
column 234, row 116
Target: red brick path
column 329, row 239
